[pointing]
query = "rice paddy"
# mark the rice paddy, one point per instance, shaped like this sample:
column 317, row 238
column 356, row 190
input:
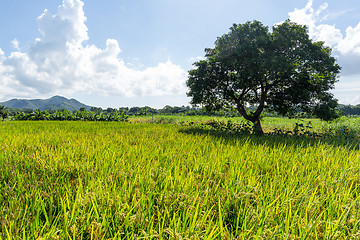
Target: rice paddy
column 118, row 180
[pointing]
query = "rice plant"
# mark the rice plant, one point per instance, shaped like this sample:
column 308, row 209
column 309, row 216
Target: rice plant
column 118, row 180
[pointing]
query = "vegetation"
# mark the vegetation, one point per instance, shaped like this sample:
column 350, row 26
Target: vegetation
column 193, row 179
column 179, row 173
column 3, row 112
column 349, row 110
column 55, row 102
column 66, row 115
column 283, row 71
column 123, row 113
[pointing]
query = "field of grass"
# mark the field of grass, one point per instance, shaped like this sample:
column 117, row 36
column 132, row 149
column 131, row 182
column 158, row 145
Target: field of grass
column 110, row 180
column 268, row 123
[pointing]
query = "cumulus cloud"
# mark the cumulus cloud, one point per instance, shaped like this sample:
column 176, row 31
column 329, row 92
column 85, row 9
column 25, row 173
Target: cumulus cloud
column 60, row 62
column 345, row 46
column 15, row 43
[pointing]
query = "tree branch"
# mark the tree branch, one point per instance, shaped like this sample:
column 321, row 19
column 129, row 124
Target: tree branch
column 261, row 102
column 240, row 107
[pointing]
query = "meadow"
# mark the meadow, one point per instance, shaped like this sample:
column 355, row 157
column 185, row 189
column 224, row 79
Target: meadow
column 146, row 180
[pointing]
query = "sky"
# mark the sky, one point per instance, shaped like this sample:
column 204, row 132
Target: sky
column 116, row 53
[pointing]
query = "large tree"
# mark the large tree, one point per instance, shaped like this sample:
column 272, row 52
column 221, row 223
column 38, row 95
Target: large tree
column 283, row 70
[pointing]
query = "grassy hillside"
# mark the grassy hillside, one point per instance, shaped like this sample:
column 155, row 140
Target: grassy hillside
column 93, row 180
column 56, row 102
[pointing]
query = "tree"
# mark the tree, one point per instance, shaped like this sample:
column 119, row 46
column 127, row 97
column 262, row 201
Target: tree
column 283, row 71
column 3, row 113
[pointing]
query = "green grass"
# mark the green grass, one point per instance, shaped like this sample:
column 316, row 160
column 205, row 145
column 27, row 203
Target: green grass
column 268, row 123
column 98, row 180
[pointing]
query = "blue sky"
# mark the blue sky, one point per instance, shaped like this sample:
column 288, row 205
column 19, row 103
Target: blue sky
column 114, row 53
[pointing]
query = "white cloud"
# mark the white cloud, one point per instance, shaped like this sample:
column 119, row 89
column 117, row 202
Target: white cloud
column 60, row 62
column 15, row 43
column 332, row 36
column 346, row 46
column 351, row 42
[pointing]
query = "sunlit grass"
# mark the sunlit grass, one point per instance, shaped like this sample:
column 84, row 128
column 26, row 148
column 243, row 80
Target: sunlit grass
column 93, row 180
column 268, row 123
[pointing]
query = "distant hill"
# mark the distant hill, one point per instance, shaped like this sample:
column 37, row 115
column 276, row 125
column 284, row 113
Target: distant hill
column 56, row 102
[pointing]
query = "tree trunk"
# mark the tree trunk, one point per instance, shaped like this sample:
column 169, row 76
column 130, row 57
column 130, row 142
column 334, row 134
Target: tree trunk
column 254, row 118
column 257, row 127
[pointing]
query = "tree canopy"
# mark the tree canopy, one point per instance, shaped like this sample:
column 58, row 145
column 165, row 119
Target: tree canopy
column 282, row 70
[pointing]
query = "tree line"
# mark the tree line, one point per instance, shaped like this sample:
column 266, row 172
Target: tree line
column 123, row 113
column 108, row 114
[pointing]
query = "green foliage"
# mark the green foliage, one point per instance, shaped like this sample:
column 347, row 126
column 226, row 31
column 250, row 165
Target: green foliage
column 301, row 128
column 65, row 115
column 243, row 128
column 349, row 110
column 282, row 70
column 105, row 180
column 98, row 114
column 3, row 113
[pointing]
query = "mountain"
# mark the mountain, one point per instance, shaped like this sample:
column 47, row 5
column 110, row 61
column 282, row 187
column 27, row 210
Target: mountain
column 56, row 102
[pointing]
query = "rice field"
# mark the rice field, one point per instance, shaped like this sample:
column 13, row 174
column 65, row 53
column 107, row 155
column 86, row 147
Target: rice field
column 111, row 180
column 268, row 123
